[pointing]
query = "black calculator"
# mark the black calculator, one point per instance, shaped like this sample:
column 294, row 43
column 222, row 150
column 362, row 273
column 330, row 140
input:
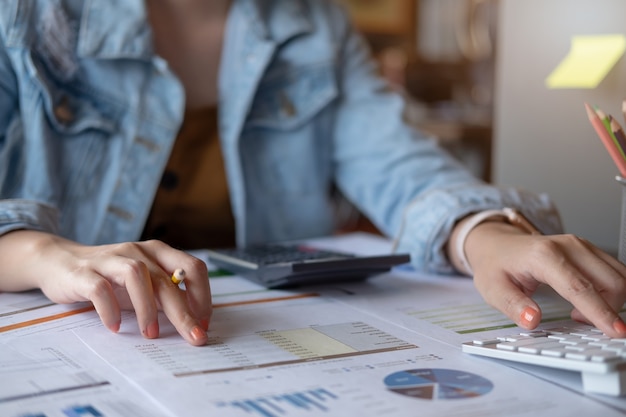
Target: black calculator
column 290, row 265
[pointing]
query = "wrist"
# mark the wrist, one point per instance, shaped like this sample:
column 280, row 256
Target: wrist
column 460, row 234
column 21, row 254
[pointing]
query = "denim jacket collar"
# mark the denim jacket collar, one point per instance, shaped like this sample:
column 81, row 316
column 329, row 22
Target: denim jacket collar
column 274, row 21
column 102, row 32
column 255, row 29
column 133, row 37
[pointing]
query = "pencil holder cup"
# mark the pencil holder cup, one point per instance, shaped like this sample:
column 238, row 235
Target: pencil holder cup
column 621, row 254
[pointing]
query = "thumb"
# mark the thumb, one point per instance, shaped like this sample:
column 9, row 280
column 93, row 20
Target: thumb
column 511, row 300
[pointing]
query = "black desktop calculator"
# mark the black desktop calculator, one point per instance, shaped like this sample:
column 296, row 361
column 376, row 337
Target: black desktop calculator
column 290, row 265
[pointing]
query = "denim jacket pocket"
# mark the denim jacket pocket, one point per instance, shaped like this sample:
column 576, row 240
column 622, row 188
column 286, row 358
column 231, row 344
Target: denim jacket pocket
column 74, row 123
column 288, row 120
column 289, row 98
column 71, row 107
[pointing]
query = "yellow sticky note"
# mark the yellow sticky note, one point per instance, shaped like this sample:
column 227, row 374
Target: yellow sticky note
column 589, row 60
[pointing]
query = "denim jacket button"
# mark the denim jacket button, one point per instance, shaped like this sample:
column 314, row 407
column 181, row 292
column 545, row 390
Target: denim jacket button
column 287, row 106
column 169, row 180
column 63, row 112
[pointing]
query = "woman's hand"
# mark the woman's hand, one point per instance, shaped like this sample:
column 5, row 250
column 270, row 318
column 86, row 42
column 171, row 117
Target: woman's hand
column 509, row 265
column 113, row 277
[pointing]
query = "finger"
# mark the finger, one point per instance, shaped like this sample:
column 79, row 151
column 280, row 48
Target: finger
column 198, row 291
column 609, row 273
column 609, row 278
column 134, row 276
column 95, row 288
column 174, row 304
column 506, row 296
column 615, row 273
column 574, row 286
column 562, row 262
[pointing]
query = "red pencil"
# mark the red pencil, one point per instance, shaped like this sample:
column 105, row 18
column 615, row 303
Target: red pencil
column 607, row 140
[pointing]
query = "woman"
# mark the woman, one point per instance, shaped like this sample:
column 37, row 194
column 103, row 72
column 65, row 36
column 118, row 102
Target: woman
column 114, row 157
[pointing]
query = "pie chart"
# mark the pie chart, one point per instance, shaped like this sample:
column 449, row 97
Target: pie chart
column 438, row 384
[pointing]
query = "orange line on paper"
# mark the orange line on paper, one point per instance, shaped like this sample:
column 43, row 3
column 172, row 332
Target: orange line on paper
column 46, row 319
column 53, row 317
column 265, row 300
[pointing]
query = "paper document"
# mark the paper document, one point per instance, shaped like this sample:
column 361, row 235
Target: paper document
column 386, row 347
column 58, row 376
column 315, row 356
column 451, row 310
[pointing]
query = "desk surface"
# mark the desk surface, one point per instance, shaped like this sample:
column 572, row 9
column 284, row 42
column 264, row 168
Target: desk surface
column 384, row 347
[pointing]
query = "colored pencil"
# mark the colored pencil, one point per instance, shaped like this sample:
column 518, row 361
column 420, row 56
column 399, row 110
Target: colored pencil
column 606, row 121
column 606, row 139
column 618, row 133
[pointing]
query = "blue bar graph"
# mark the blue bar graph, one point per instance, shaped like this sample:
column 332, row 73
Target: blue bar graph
column 82, row 411
column 281, row 405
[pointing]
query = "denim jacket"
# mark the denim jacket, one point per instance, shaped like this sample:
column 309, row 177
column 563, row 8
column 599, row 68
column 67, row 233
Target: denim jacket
column 89, row 113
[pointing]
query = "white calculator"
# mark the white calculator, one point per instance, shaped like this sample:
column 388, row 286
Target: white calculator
column 581, row 348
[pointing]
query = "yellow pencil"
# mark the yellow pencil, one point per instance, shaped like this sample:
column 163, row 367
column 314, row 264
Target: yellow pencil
column 178, row 276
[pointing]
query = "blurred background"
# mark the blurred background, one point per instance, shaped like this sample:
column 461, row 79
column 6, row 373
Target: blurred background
column 475, row 73
column 441, row 54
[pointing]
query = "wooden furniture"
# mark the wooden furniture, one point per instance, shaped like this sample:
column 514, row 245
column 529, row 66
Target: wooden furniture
column 386, row 23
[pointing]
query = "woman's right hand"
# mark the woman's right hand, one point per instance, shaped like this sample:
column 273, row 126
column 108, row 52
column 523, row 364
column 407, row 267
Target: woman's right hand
column 509, row 266
column 113, row 277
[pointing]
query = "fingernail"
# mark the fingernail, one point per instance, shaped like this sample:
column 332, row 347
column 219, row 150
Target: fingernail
column 204, row 323
column 197, row 334
column 528, row 316
column 115, row 327
column 152, row 330
column 619, row 326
